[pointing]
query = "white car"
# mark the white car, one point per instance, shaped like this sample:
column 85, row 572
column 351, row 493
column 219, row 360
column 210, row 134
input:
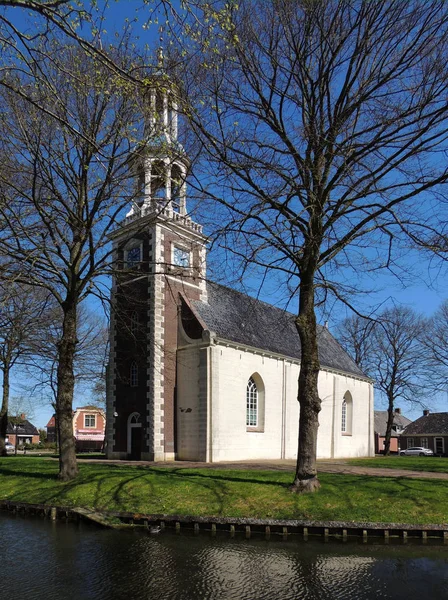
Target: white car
column 9, row 448
column 416, row 452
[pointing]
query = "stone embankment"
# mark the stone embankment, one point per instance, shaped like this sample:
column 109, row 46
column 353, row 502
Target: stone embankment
column 286, row 529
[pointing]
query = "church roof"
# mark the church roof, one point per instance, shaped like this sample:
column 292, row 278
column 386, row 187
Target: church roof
column 239, row 318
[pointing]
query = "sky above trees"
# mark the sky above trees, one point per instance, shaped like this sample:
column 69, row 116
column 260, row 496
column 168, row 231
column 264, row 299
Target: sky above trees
column 423, row 288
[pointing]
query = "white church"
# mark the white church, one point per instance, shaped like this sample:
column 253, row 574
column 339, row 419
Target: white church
column 198, row 371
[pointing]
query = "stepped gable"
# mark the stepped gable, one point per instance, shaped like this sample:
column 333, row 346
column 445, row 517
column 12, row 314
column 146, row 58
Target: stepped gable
column 241, row 319
column 431, row 423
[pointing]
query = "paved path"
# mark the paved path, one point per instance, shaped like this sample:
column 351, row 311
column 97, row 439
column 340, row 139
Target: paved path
column 342, row 467
column 323, row 466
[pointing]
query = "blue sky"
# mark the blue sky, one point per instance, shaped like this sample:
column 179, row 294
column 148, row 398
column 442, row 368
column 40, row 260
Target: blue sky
column 424, row 291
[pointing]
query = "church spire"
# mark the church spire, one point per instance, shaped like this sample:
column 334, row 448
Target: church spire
column 162, row 167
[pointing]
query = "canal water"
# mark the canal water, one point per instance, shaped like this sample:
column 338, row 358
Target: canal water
column 64, row 561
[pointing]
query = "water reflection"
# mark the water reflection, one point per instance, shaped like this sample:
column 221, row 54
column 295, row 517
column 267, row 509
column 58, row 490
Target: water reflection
column 39, row 559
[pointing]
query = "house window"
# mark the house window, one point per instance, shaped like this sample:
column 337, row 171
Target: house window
column 346, row 414
column 89, row 420
column 134, row 375
column 251, row 404
column 424, row 442
column 410, row 442
column 181, row 257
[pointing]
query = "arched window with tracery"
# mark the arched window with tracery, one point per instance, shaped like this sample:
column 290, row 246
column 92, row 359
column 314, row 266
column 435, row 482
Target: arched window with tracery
column 133, row 376
column 255, row 404
column 344, row 416
column 347, row 414
column 251, row 404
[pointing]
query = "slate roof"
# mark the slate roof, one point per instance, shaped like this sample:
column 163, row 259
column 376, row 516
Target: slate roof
column 245, row 320
column 23, row 428
column 380, row 422
column 432, row 423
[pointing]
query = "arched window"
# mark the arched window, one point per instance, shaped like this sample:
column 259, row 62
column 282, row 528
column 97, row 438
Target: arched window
column 134, row 375
column 347, row 414
column 344, row 416
column 176, row 184
column 251, row 404
column 255, row 404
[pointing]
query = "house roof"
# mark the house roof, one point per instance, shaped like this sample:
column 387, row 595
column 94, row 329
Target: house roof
column 90, row 408
column 245, row 320
column 24, row 427
column 380, row 422
column 432, row 423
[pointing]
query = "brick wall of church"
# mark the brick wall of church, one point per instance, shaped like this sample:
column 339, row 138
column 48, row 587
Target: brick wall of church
column 131, row 325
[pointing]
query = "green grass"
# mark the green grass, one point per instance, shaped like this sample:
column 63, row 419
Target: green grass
column 409, row 463
column 219, row 492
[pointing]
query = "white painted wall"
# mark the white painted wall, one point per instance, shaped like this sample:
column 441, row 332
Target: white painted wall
column 187, row 410
column 228, row 438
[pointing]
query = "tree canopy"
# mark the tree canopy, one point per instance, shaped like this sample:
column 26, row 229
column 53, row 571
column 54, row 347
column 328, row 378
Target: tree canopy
column 323, row 134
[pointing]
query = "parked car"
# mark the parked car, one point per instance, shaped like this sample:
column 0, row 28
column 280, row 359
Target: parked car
column 416, row 452
column 9, row 448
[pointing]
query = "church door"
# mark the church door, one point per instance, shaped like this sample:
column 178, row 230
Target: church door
column 135, row 437
column 136, row 443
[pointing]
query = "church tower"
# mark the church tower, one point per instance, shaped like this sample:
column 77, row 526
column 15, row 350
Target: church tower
column 159, row 253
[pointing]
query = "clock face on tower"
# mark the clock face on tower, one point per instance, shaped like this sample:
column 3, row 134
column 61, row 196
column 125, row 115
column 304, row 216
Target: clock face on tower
column 133, row 256
column 181, row 257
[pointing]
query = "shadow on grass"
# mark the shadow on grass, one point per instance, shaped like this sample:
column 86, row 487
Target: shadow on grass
column 31, row 474
column 143, row 488
column 185, row 473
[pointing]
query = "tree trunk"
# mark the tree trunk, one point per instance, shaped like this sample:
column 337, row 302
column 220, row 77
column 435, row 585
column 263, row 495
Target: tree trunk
column 68, row 468
column 310, row 404
column 390, row 422
column 4, row 410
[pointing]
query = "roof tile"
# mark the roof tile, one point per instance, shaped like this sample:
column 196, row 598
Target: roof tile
column 239, row 318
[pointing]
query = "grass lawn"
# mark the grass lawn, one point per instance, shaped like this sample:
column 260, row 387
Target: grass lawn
column 410, row 463
column 231, row 493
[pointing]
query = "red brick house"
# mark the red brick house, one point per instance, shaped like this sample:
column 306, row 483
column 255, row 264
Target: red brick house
column 400, row 422
column 89, row 427
column 429, row 431
column 20, row 429
column 51, row 430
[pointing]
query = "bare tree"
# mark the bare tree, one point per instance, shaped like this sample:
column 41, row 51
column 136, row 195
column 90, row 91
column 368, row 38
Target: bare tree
column 355, row 334
column 435, row 341
column 390, row 350
column 23, row 314
column 323, row 131
column 65, row 191
column 90, row 355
